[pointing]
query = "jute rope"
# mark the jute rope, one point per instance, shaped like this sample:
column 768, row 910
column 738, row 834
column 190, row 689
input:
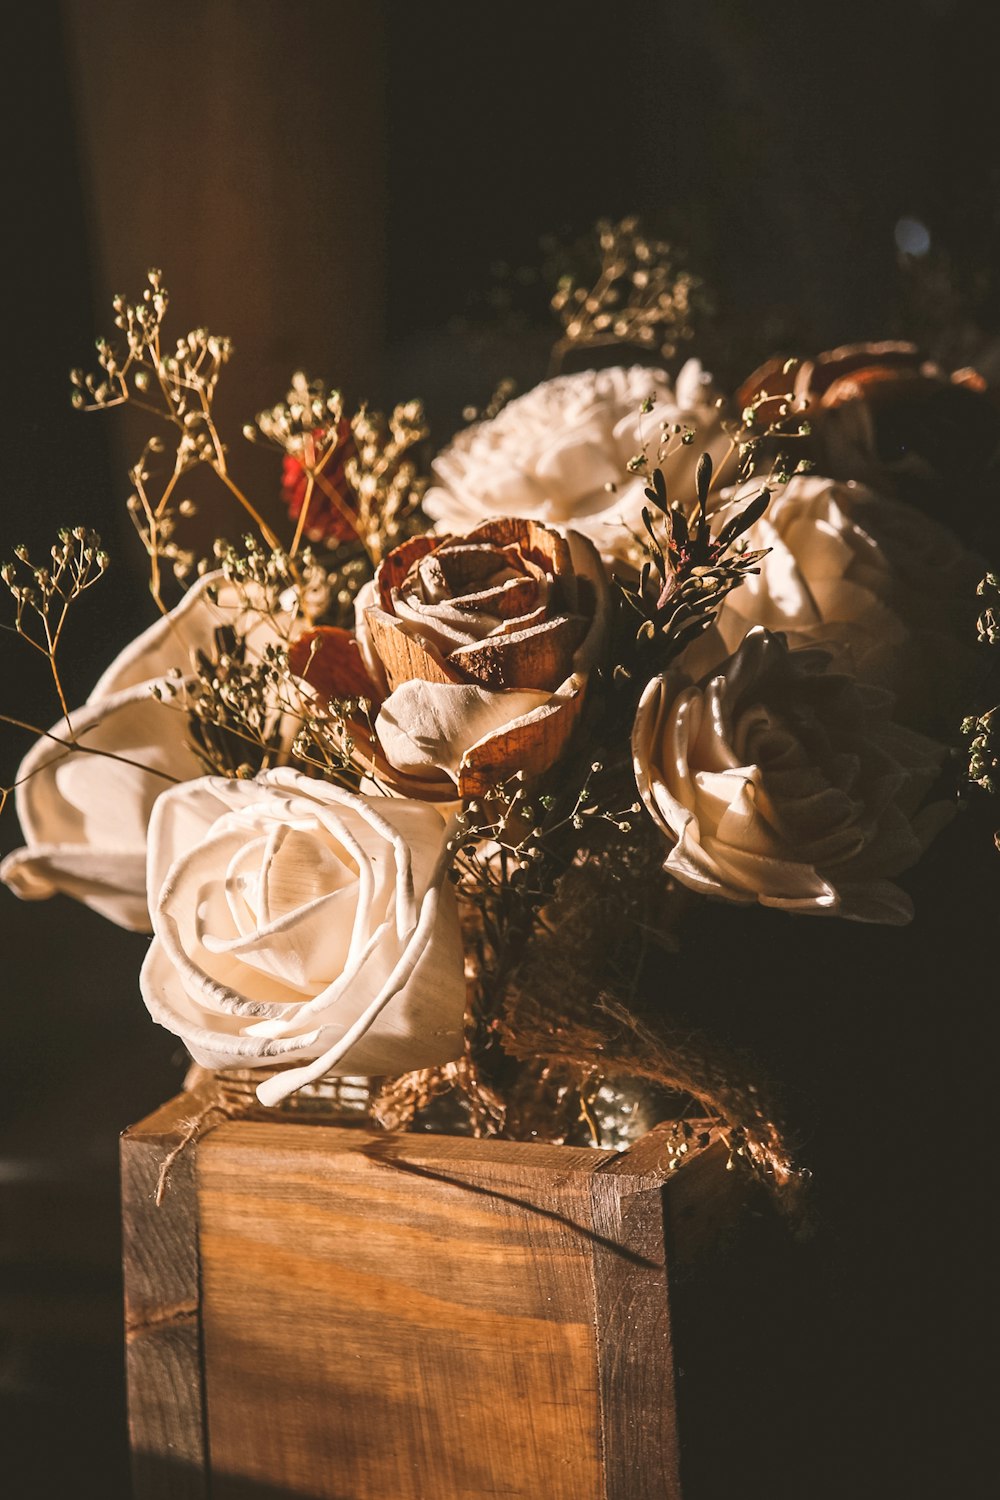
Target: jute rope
column 219, row 1097
column 224, row 1096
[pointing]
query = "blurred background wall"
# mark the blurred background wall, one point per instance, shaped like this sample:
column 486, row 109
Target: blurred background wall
column 344, row 186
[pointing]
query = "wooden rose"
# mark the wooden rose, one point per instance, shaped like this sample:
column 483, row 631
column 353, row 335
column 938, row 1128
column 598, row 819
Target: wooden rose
column 485, row 644
column 297, row 923
column 780, row 782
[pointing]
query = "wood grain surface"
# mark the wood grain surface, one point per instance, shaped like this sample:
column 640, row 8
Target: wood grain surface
column 397, row 1316
column 162, row 1323
column 405, row 1316
column 632, row 1326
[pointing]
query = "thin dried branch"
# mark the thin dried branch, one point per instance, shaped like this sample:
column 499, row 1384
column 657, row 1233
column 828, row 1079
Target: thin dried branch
column 44, row 592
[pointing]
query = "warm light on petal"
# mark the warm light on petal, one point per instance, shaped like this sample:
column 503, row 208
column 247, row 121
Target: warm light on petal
column 559, row 454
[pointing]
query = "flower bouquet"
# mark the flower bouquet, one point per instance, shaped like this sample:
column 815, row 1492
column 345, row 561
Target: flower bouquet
column 422, row 787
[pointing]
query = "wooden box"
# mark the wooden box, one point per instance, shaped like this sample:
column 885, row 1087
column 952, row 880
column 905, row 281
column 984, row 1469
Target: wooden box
column 331, row 1311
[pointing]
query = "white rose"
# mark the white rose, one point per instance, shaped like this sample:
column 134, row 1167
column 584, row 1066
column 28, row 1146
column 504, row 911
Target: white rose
column 781, row 782
column 559, row 454
column 869, row 579
column 84, row 814
column 296, row 922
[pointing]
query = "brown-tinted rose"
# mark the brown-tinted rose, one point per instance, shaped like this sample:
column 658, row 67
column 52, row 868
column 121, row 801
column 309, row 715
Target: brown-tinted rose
column 484, row 644
column 884, row 414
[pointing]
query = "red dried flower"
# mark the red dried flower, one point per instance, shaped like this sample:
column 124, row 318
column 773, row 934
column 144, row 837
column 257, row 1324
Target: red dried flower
column 333, row 503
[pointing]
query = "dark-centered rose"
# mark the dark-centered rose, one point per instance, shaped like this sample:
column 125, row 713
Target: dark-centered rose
column 777, row 780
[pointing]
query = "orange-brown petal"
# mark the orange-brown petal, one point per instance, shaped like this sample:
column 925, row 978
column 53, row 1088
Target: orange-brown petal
column 540, row 657
column 328, row 659
column 402, row 654
column 394, row 568
column 531, row 744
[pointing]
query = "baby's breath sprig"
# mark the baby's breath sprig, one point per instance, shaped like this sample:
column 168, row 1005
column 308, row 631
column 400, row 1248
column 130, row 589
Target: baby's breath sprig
column 981, row 731
column 155, row 520
column 272, row 584
column 44, row 592
column 231, row 705
column 309, row 427
column 766, row 425
column 687, row 570
column 982, row 735
column 641, row 296
column 504, row 392
column 178, row 386
column 327, row 742
column 388, row 474
column 249, row 714
column 988, row 623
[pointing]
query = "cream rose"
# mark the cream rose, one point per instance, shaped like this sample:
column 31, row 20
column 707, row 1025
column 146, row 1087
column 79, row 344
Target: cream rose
column 297, row 923
column 84, row 812
column 781, row 782
column 559, row 454
column 869, row 579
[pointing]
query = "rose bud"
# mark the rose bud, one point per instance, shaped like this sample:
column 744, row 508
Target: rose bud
column 485, row 643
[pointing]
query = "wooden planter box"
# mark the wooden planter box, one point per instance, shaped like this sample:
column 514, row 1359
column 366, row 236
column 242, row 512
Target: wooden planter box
column 330, row 1311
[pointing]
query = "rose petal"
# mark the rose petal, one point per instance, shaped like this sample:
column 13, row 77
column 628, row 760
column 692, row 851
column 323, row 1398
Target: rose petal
column 173, row 642
column 331, row 661
column 84, row 815
column 428, row 724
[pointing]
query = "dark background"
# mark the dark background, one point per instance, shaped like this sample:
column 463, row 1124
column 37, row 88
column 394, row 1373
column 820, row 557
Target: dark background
column 344, row 186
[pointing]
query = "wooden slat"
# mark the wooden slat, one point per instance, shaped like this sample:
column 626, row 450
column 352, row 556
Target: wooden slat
column 162, row 1325
column 398, row 1316
column 635, row 1355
